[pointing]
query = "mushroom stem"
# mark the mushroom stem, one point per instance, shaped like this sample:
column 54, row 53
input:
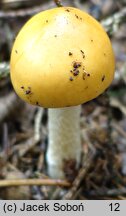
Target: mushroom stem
column 64, row 140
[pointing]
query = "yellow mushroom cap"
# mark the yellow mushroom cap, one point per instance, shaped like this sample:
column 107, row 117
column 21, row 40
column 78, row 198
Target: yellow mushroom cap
column 61, row 57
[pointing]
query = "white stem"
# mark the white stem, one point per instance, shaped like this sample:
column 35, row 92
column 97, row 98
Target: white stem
column 64, row 139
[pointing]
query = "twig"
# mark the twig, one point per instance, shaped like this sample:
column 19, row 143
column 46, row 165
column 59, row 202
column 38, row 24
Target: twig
column 6, row 141
column 121, row 197
column 116, row 103
column 25, row 12
column 30, row 143
column 82, row 173
column 58, row 3
column 119, row 129
column 30, row 182
column 8, row 104
column 24, row 147
column 107, row 192
column 112, row 23
column 4, row 69
column 37, row 126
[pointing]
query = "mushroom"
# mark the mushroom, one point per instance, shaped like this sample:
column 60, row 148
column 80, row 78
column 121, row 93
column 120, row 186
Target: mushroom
column 60, row 59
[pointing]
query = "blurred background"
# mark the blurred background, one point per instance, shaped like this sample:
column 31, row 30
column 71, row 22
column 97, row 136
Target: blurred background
column 23, row 128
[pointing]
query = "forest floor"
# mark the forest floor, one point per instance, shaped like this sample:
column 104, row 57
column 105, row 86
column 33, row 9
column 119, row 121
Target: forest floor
column 24, row 128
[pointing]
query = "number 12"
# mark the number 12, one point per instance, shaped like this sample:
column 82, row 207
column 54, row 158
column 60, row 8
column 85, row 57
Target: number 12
column 114, row 206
